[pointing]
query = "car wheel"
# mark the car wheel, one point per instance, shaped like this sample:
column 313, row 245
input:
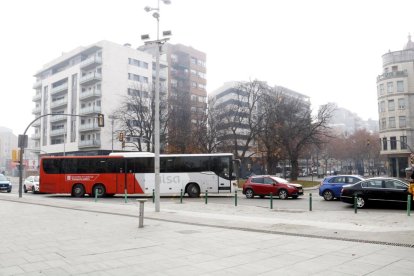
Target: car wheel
column 328, row 195
column 360, row 202
column 33, row 190
column 193, row 190
column 295, row 197
column 24, row 189
column 249, row 193
column 283, row 194
column 78, row 190
column 100, row 190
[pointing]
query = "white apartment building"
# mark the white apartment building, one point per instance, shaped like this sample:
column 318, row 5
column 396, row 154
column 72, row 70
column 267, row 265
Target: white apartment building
column 395, row 92
column 85, row 82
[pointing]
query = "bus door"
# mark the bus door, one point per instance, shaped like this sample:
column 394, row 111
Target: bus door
column 125, row 181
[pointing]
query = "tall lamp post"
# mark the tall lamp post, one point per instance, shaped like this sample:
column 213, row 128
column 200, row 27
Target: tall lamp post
column 158, row 43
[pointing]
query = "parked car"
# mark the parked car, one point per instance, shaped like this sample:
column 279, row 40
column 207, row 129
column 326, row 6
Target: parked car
column 5, row 184
column 331, row 186
column 31, row 183
column 263, row 185
column 377, row 189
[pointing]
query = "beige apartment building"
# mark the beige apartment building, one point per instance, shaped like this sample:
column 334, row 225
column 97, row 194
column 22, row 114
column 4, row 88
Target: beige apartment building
column 395, row 90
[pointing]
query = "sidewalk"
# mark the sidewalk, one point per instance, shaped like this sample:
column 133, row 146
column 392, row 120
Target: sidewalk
column 52, row 236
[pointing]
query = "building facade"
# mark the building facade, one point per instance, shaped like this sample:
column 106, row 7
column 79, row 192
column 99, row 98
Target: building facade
column 85, row 82
column 395, row 92
column 187, row 95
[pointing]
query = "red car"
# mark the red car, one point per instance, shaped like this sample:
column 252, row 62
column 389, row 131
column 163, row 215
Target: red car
column 263, row 185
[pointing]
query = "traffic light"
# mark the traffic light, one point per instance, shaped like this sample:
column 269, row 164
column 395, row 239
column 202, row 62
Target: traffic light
column 121, row 136
column 16, row 155
column 101, row 120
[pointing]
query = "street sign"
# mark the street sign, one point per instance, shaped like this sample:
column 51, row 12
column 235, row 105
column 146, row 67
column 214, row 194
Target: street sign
column 22, row 141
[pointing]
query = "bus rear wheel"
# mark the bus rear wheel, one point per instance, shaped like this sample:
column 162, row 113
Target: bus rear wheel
column 78, row 190
column 99, row 189
column 193, row 190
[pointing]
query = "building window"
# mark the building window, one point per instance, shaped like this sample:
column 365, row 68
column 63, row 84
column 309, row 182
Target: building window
column 403, row 142
column 400, row 86
column 138, row 63
column 193, row 98
column 384, row 143
column 193, row 60
column 382, row 106
column 402, row 122
column 391, row 122
column 401, row 103
column 137, row 78
column 393, row 143
column 193, row 84
column 390, row 87
column 391, row 105
column 381, row 89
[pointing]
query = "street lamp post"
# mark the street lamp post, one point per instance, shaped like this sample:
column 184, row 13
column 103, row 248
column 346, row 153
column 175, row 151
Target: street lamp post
column 158, row 43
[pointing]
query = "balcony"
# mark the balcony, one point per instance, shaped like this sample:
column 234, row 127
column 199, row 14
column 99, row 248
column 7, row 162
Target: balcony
column 90, row 110
column 57, row 132
column 57, row 118
column 37, row 97
column 35, row 136
column 94, row 93
column 89, row 144
column 88, row 127
column 91, row 62
column 59, row 88
column 36, row 123
column 36, row 110
column 37, row 84
column 91, row 79
column 390, row 75
column 59, row 103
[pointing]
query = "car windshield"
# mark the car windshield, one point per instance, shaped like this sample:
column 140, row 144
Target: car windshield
column 2, row 177
column 280, row 180
column 36, row 178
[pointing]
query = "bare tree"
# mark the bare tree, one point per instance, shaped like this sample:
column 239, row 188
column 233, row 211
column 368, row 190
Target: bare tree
column 135, row 117
column 296, row 128
column 239, row 120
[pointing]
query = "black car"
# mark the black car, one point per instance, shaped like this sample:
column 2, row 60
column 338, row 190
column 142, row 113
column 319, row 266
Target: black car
column 5, row 184
column 377, row 189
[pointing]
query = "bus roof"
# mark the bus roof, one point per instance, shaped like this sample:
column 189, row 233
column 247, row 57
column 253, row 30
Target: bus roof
column 150, row 154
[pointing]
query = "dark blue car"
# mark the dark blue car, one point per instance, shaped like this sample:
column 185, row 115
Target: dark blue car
column 331, row 186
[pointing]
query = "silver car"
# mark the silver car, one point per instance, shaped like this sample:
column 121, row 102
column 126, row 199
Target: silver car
column 31, row 183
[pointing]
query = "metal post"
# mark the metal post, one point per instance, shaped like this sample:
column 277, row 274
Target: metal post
column 157, row 124
column 235, row 198
column 141, row 212
column 153, row 195
column 206, row 196
column 181, row 196
column 96, row 195
column 271, row 200
column 408, row 205
column 310, row 201
column 355, row 204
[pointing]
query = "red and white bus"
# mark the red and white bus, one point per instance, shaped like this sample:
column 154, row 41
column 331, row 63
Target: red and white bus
column 133, row 173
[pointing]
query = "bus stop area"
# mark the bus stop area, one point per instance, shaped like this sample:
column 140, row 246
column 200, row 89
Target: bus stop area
column 60, row 236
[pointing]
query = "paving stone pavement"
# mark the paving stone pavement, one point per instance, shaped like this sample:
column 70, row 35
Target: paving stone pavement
column 50, row 236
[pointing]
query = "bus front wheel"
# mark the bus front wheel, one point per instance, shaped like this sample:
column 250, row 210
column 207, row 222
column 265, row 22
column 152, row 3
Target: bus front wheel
column 193, row 190
column 78, row 190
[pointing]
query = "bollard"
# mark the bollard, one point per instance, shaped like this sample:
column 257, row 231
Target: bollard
column 271, row 200
column 355, row 204
column 141, row 212
column 181, row 196
column 153, row 195
column 235, row 198
column 408, row 205
column 96, row 195
column 126, row 196
column 206, row 196
column 310, row 201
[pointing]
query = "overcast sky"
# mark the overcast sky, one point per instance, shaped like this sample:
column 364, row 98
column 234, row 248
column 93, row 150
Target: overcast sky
column 329, row 50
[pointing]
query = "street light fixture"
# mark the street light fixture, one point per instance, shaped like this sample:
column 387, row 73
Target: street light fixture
column 158, row 43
